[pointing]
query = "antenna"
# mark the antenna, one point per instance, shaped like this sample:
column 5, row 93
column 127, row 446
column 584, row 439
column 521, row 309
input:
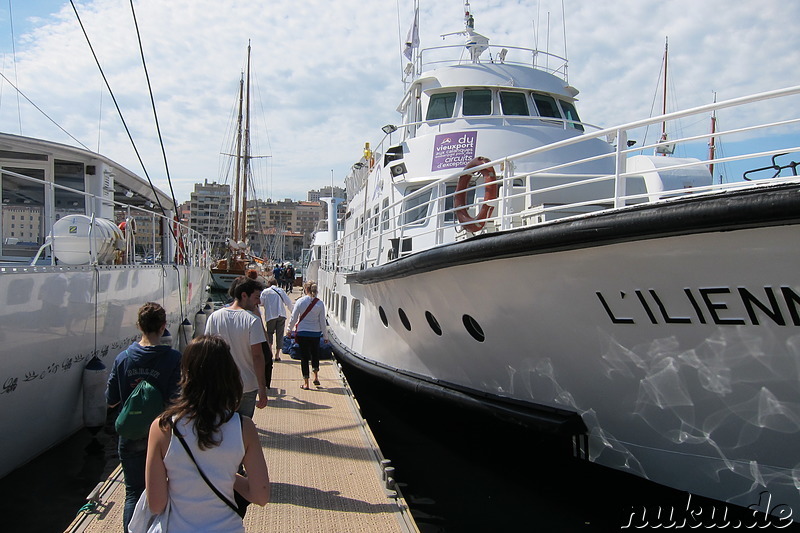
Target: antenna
column 564, row 27
column 547, row 43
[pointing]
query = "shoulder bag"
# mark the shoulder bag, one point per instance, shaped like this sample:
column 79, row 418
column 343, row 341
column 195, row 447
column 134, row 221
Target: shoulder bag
column 144, row 520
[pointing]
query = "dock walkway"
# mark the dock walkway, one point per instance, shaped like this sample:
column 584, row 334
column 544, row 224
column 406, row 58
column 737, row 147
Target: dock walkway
column 324, row 465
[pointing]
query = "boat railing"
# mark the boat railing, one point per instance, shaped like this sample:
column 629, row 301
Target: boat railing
column 531, row 194
column 360, row 171
column 144, row 231
column 457, row 54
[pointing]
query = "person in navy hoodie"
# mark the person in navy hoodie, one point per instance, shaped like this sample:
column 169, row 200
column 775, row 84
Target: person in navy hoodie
column 161, row 366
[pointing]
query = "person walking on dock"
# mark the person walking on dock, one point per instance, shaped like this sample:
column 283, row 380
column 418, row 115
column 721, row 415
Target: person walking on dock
column 289, row 278
column 202, row 432
column 265, row 347
column 275, row 303
column 244, row 333
column 159, row 365
column 308, row 321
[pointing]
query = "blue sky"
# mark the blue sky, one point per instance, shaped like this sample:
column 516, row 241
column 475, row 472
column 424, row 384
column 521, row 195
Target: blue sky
column 327, row 75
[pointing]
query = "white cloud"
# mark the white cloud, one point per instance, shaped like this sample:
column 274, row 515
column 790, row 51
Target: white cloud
column 328, row 74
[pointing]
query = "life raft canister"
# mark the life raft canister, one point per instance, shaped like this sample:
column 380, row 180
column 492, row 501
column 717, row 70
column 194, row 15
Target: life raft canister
column 460, row 200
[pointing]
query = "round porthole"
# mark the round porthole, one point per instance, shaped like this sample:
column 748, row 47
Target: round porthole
column 404, row 319
column 382, row 313
column 473, row 328
column 433, row 323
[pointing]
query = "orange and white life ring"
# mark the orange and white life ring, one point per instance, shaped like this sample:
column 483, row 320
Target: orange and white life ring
column 460, row 200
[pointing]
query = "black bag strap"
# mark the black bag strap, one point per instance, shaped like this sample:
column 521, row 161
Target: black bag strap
column 208, row 481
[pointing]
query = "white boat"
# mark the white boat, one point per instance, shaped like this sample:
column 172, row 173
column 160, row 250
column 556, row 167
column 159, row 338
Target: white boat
column 72, row 281
column 620, row 298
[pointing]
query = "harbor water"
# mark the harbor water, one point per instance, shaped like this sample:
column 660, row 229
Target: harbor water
column 45, row 495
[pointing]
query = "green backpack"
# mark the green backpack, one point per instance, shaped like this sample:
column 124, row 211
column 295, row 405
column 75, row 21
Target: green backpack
column 140, row 409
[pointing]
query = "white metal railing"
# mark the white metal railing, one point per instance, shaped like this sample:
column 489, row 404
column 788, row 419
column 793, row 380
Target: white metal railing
column 190, row 247
column 438, row 56
column 375, row 237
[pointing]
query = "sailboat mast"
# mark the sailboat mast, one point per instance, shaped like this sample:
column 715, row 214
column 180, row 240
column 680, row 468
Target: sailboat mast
column 238, row 164
column 664, row 102
column 246, row 153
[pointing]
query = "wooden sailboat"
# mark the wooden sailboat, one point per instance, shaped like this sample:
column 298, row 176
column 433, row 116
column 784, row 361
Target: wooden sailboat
column 238, row 259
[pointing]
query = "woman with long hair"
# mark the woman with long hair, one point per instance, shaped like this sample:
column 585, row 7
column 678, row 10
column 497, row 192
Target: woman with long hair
column 308, row 319
column 221, row 440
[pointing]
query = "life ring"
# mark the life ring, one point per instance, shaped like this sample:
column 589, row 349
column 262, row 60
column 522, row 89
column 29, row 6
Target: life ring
column 460, row 199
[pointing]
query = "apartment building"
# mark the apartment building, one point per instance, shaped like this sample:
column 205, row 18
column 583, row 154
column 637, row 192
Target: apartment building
column 210, row 213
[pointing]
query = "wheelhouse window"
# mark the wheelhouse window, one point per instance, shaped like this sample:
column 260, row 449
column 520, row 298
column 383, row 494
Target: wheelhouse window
column 415, row 206
column 514, row 103
column 546, row 105
column 25, row 199
column 571, row 114
column 69, row 174
column 477, row 102
column 441, row 105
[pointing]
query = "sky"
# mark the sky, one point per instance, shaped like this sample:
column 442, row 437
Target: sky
column 327, row 75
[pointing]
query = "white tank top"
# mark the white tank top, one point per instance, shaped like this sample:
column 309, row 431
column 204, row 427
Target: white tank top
column 193, row 505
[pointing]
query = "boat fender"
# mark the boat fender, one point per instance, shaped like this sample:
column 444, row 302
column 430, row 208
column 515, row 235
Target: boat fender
column 166, row 338
column 460, row 200
column 200, row 319
column 94, row 394
column 185, row 334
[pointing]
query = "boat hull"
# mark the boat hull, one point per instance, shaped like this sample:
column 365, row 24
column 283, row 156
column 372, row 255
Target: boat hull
column 221, row 279
column 673, row 334
column 54, row 320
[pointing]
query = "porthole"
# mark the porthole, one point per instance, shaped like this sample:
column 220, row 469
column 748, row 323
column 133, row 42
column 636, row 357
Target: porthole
column 473, row 328
column 433, row 323
column 404, row 319
column 382, row 313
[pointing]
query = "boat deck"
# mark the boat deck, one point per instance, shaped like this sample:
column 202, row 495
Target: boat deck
column 324, row 465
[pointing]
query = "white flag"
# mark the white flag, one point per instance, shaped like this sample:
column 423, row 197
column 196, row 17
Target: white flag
column 412, row 39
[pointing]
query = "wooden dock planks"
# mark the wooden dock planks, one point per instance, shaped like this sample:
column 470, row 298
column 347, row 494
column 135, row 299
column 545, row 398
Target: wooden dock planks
column 324, row 465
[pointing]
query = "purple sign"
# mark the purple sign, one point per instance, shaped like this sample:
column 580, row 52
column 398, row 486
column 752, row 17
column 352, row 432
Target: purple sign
column 454, row 150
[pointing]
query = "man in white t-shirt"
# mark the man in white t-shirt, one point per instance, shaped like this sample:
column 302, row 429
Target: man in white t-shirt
column 244, row 333
column 275, row 303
